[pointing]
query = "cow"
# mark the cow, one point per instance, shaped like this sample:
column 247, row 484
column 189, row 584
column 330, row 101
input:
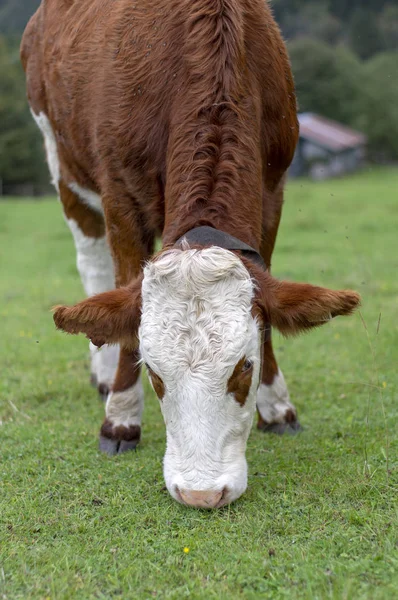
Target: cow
column 176, row 118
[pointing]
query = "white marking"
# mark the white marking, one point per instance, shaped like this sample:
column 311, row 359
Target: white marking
column 88, row 197
column 196, row 325
column 273, row 401
column 97, row 272
column 125, row 408
column 50, row 145
column 94, row 260
column 104, row 363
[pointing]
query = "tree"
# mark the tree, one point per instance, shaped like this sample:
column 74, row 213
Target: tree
column 343, row 9
column 354, row 22
column 312, row 20
column 379, row 106
column 365, row 38
column 388, row 27
column 327, row 79
column 14, row 14
column 21, row 147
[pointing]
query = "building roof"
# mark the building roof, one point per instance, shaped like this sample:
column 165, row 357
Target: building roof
column 329, row 134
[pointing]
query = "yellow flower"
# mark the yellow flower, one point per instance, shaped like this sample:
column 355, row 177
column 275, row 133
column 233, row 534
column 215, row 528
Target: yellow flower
column 186, row 550
column 384, row 384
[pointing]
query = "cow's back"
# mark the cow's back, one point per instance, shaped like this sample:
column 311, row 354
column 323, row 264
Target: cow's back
column 112, row 76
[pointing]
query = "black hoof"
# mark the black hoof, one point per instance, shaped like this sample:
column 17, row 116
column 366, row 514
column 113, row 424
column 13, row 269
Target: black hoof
column 116, row 440
column 113, row 447
column 281, row 428
column 127, row 446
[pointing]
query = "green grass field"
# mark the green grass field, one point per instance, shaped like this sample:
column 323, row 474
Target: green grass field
column 320, row 517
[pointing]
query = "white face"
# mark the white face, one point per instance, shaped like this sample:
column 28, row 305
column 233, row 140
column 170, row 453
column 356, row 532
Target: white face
column 196, row 325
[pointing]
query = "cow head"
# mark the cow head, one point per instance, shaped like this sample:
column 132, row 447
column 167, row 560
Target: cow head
column 199, row 316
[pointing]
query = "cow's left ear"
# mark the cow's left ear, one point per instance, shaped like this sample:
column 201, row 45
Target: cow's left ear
column 297, row 307
column 108, row 318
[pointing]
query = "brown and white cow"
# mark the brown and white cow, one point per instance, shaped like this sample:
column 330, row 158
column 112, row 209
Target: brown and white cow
column 159, row 117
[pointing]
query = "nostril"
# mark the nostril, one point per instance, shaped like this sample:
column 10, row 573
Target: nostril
column 178, row 494
column 223, row 499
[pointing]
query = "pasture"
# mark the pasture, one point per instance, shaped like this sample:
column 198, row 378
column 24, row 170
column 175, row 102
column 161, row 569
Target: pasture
column 320, row 517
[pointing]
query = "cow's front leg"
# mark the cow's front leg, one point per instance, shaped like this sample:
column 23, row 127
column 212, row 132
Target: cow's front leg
column 121, row 430
column 95, row 265
column 276, row 414
column 130, row 247
column 104, row 362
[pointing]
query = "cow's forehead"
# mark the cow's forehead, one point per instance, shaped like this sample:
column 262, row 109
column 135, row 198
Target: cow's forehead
column 198, row 268
column 196, row 310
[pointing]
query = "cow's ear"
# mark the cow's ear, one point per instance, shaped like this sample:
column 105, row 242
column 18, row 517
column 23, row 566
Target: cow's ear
column 108, row 318
column 297, row 307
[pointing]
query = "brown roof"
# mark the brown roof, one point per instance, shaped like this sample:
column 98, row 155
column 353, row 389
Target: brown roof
column 329, row 134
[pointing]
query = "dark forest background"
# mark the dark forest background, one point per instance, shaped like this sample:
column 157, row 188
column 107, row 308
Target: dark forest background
column 344, row 55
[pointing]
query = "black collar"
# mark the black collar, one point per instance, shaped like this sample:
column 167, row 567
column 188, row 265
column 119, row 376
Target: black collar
column 209, row 236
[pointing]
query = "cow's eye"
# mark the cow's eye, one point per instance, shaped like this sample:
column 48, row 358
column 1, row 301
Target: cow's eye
column 247, row 366
column 240, row 381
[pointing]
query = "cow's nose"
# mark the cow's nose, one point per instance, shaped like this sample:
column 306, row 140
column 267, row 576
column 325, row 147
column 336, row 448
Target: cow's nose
column 202, row 499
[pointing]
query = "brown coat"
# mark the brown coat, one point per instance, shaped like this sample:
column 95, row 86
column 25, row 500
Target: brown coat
column 178, row 112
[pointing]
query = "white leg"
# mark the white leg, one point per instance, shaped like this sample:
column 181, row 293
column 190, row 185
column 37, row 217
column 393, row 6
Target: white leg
column 121, row 430
column 274, row 406
column 95, row 265
column 94, row 260
column 125, row 408
column 104, row 363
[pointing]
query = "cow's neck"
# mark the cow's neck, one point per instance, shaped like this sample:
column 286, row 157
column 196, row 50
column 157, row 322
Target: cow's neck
column 214, row 178
column 213, row 172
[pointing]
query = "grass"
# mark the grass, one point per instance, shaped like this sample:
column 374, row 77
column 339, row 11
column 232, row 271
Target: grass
column 320, row 517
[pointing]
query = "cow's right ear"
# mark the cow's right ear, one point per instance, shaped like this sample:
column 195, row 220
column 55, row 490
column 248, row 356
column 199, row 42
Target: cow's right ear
column 108, row 318
column 294, row 308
